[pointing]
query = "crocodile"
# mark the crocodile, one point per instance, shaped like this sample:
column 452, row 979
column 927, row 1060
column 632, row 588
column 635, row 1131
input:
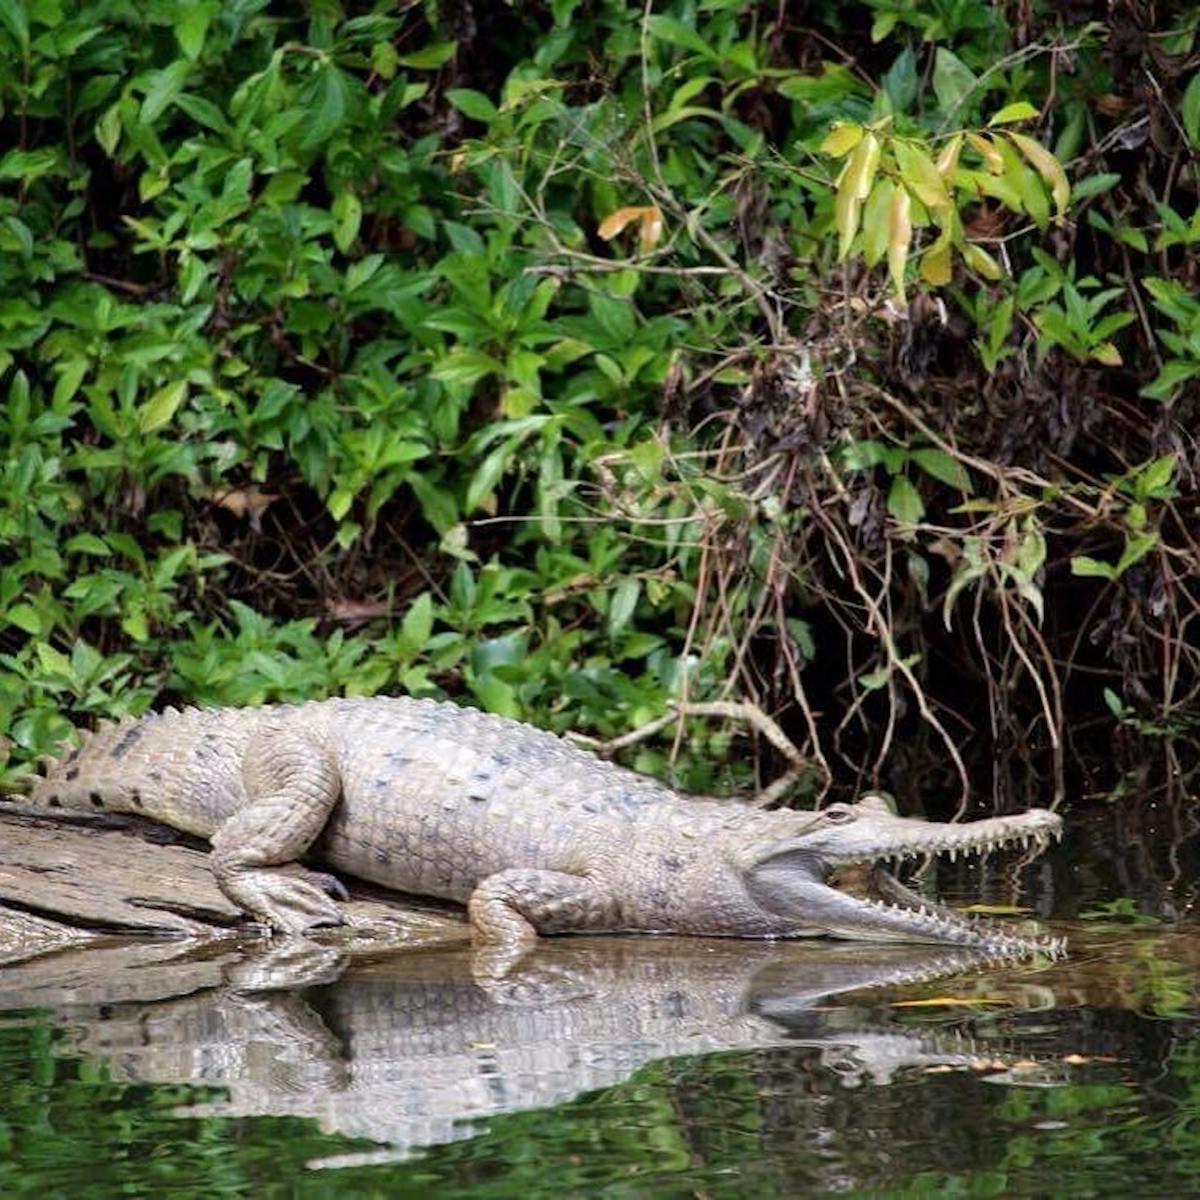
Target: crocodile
column 534, row 834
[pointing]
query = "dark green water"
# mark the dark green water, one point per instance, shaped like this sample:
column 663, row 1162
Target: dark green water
column 632, row 1067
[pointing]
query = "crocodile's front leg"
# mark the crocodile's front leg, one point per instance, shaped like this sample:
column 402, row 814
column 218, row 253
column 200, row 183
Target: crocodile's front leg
column 292, row 784
column 512, row 907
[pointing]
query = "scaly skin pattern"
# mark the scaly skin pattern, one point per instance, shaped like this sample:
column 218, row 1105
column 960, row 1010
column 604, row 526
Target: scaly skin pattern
column 533, row 834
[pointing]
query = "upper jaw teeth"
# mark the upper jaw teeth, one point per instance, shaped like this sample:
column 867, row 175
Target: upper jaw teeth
column 1038, row 838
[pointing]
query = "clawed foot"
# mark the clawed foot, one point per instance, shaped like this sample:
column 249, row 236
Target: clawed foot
column 331, row 885
column 289, row 899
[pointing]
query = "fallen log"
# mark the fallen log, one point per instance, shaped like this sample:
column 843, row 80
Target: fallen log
column 78, row 880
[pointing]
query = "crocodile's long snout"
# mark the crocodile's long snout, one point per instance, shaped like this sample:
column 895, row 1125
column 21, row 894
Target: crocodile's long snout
column 811, row 883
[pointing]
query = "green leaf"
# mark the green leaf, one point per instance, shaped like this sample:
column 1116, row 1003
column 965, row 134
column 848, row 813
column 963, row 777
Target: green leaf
column 668, row 29
column 487, row 475
column 942, row 466
column 1175, row 373
column 466, row 366
column 1022, row 110
column 417, row 625
column 108, row 129
column 920, row 176
column 162, row 406
column 1084, row 565
column 622, row 606
column 1136, row 548
column 1157, row 473
column 88, row 543
column 1094, row 185
column 25, row 616
column 497, row 696
column 347, row 217
column 191, row 28
column 862, row 455
column 901, row 81
column 21, row 234
column 13, row 18
column 1190, row 111
column 135, row 623
column 1048, row 167
column 872, row 681
column 876, row 221
column 904, row 501
column 437, row 504
column 162, row 88
column 69, row 379
column 615, row 318
column 953, row 80
column 967, row 573
column 362, row 271
column 473, row 104
column 28, row 165
column 430, row 57
column 327, row 108
column 339, row 502
column 55, row 662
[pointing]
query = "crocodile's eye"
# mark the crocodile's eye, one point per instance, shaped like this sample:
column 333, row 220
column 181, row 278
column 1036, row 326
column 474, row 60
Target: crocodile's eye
column 839, row 814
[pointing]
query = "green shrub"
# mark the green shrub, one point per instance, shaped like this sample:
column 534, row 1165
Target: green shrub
column 368, row 350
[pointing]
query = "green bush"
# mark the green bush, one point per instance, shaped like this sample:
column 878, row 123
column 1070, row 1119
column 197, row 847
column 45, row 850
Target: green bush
column 541, row 356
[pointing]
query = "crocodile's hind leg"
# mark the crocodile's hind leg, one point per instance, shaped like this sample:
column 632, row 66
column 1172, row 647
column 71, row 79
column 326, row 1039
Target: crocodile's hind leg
column 512, row 907
column 292, row 784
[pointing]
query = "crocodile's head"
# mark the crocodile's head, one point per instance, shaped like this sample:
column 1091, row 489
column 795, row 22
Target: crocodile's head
column 796, row 881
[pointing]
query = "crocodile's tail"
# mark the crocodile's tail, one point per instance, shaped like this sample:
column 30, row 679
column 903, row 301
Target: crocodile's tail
column 94, row 774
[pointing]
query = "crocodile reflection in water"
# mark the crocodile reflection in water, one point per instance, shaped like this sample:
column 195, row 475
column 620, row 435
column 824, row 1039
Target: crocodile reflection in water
column 408, row 1052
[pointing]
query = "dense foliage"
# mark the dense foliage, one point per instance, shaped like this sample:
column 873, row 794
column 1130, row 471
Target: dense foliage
column 573, row 358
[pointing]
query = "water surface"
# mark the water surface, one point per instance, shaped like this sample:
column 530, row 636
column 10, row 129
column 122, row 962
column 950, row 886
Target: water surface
column 631, row 1067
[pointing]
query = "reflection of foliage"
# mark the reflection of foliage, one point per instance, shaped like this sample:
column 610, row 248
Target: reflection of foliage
column 766, row 1122
column 66, row 1128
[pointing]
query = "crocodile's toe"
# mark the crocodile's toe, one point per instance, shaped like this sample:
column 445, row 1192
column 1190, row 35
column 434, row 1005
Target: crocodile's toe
column 288, row 903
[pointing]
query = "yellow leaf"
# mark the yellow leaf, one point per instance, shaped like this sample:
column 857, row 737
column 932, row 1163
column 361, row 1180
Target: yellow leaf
column 899, row 238
column 863, row 164
column 876, row 221
column 616, row 221
column 841, row 139
column 846, row 208
column 980, row 261
column 945, row 1001
column 1107, row 354
column 1022, row 110
column 918, row 173
column 997, row 910
column 992, row 158
column 935, row 262
column 947, row 161
column 1047, row 166
column 651, row 230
